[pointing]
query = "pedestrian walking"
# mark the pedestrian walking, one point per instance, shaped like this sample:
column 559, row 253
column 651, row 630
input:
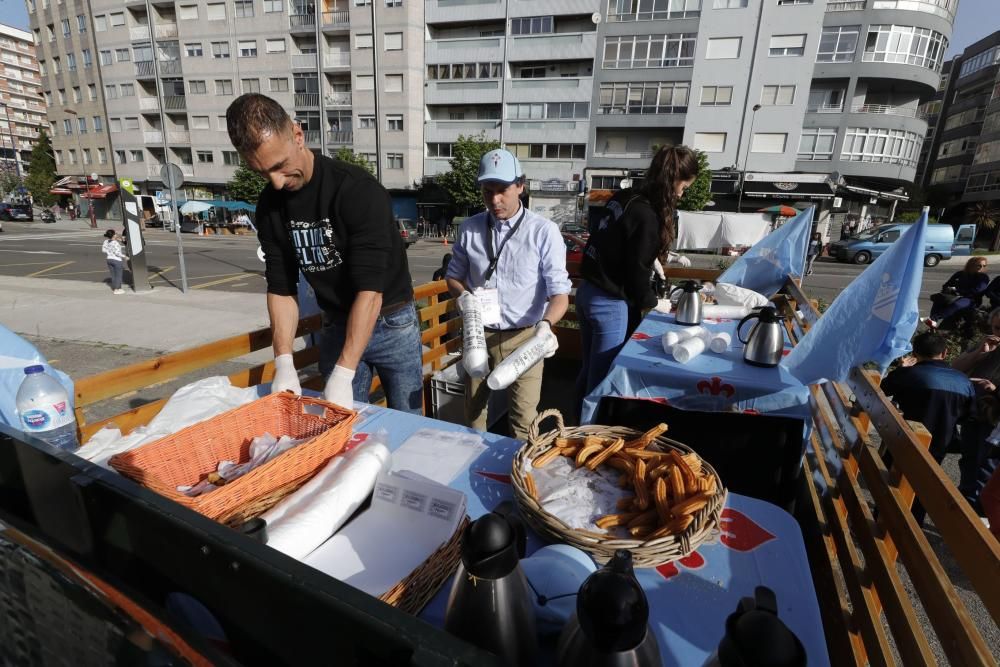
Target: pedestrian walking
column 115, row 257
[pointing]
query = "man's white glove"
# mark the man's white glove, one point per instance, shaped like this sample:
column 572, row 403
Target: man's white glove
column 544, row 330
column 658, row 268
column 286, row 378
column 339, row 388
column 663, row 306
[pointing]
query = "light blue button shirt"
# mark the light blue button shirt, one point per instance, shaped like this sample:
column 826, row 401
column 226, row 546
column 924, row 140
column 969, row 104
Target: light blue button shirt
column 531, row 268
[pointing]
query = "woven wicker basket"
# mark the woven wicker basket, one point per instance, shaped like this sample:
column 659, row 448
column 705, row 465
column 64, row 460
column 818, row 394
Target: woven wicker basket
column 644, row 553
column 186, row 457
column 417, row 588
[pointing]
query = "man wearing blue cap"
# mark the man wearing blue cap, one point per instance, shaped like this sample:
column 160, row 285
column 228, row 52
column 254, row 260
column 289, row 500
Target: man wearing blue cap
column 514, row 262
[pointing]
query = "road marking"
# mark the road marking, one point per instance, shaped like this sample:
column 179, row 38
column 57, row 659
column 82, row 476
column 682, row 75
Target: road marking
column 34, row 252
column 231, row 278
column 78, row 273
column 51, row 268
column 27, row 264
column 162, row 271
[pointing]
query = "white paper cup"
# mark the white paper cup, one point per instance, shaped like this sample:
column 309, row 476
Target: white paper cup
column 688, row 349
column 720, row 342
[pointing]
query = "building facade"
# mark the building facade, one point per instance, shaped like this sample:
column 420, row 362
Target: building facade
column 20, row 99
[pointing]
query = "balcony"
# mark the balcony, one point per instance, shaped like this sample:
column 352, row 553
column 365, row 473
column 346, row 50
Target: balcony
column 174, row 103
column 561, row 89
column 166, row 31
column 338, row 99
column 307, row 100
column 301, row 21
column 170, row 67
column 178, row 137
column 337, row 20
column 338, row 59
column 570, row 46
column 448, row 130
column 304, row 61
column 312, row 136
column 906, row 112
column 465, row 49
column 340, row 138
column 152, row 137
column 825, row 108
column 845, row 5
column 145, row 69
column 623, row 155
column 138, row 33
column 471, row 91
column 149, row 104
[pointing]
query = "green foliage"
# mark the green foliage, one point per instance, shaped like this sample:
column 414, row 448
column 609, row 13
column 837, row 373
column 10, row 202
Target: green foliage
column 700, row 192
column 246, row 184
column 723, row 264
column 348, row 155
column 460, row 182
column 42, row 173
column 9, row 180
column 912, row 216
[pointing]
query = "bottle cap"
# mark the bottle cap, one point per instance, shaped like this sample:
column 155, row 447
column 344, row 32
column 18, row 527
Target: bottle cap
column 29, row 370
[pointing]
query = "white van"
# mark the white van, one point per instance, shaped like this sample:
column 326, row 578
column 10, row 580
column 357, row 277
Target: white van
column 154, row 213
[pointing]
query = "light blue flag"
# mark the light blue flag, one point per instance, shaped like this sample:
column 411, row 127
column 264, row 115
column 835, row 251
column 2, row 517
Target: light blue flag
column 873, row 319
column 765, row 267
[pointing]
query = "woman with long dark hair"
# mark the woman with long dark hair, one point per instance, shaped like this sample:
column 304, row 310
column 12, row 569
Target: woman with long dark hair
column 638, row 227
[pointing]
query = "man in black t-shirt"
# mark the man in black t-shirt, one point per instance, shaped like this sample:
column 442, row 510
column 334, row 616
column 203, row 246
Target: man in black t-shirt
column 332, row 222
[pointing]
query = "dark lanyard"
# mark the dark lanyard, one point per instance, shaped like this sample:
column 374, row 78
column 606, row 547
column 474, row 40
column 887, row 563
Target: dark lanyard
column 494, row 259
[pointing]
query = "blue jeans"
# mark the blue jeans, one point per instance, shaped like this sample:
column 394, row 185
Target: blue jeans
column 116, row 270
column 393, row 351
column 604, row 327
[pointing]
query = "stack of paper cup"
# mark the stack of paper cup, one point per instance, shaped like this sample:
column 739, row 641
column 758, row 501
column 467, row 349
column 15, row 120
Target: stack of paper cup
column 688, row 349
column 668, row 341
column 720, row 342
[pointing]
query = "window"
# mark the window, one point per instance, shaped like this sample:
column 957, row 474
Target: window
column 119, row 157
column 81, row 22
column 363, row 40
column 277, row 85
column 81, row 122
column 716, row 96
column 439, row 150
column 983, row 182
column 62, row 95
column 394, row 122
column 122, row 55
column 393, row 41
column 271, row 6
column 102, row 155
column 794, row 2
column 220, row 49
column 132, row 123
column 98, row 124
column 223, row 87
column 957, row 147
column 365, row 82
column 115, row 125
column 394, row 161
column 768, row 142
column 117, row 18
column 128, row 89
column 72, row 156
column 216, row 11
column 955, row 172
column 244, row 9
column 230, row 158
column 142, row 53
column 777, row 95
column 250, row 85
column 187, row 12
column 91, row 92
column 906, row 45
column 787, row 45
column 105, row 56
column 41, row 67
column 193, row 50
column 980, row 61
column 100, row 23
column 200, row 123
column 70, row 62
column 468, row 71
column 67, row 126
column 532, row 25
column 111, row 91
column 630, row 10
column 393, row 3
column 366, row 122
column 881, row 145
column 205, row 157
column 548, row 151
column 393, row 83
column 55, row 65
column 247, row 48
column 710, row 142
column 197, row 86
column 838, row 44
column 274, row 45
column 720, row 48
column 548, row 110
column 647, row 51
column 87, row 59
column 220, row 123
column 966, row 117
column 65, row 27
column 136, row 156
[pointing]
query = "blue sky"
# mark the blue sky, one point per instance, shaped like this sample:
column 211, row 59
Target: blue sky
column 974, row 20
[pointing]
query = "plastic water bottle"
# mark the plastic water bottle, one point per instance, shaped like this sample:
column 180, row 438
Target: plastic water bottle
column 44, row 410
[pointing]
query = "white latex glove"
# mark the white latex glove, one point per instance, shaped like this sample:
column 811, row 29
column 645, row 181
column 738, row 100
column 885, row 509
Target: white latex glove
column 663, row 306
column 339, row 388
column 544, row 329
column 675, row 258
column 658, row 268
column 286, row 378
column 464, row 298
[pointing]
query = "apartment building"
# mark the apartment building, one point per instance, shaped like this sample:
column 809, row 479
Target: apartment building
column 20, row 99
column 814, row 101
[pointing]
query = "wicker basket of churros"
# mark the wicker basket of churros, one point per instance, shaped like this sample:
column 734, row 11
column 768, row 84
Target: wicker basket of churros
column 667, row 499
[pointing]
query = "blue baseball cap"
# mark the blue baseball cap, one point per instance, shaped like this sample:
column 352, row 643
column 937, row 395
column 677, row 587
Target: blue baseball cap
column 500, row 166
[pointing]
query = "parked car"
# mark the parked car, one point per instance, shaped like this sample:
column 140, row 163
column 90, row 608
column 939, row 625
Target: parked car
column 407, row 230
column 574, row 253
column 863, row 248
column 15, row 212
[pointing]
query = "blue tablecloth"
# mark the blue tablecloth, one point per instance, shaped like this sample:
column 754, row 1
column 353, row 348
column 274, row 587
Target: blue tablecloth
column 710, row 381
column 689, row 600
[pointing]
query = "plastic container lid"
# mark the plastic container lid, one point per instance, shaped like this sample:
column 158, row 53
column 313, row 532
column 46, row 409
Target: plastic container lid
column 29, row 370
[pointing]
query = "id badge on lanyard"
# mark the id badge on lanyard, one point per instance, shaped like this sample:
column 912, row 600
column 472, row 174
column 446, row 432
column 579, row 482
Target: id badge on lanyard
column 489, row 303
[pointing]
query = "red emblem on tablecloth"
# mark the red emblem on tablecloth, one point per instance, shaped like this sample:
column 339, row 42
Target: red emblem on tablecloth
column 739, row 533
column 355, row 440
column 716, row 387
column 638, row 335
column 503, row 478
column 653, row 399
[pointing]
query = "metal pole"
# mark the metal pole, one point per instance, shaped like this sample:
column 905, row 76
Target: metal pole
column 746, row 159
column 378, row 121
column 166, row 154
column 321, row 75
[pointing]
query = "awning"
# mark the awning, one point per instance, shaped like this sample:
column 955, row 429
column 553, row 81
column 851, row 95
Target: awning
column 875, row 193
column 60, row 191
column 725, row 182
column 790, row 191
column 99, row 192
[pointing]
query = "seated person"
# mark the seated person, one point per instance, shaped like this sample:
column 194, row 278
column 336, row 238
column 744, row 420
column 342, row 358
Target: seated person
column 993, row 293
column 968, row 285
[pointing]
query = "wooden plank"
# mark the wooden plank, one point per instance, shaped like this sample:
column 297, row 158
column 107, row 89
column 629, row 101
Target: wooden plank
column 906, row 491
column 960, row 640
column 975, row 549
column 680, row 273
column 427, row 290
column 432, row 335
column 428, row 313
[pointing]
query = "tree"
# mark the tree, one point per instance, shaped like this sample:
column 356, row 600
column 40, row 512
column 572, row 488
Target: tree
column 984, row 216
column 9, row 180
column 460, row 182
column 348, row 155
column 246, row 184
column 42, row 172
column 700, row 192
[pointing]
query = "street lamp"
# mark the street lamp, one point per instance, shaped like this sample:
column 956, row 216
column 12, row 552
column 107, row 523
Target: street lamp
column 90, row 198
column 746, row 159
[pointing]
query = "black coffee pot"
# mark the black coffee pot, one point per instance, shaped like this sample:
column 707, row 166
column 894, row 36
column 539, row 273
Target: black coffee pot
column 611, row 624
column 756, row 637
column 491, row 604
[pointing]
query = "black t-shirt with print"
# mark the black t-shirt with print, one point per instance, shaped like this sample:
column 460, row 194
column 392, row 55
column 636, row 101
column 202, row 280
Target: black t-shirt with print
column 338, row 230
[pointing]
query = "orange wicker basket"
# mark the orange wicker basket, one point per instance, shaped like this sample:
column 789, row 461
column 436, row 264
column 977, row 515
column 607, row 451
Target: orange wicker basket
column 187, row 456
